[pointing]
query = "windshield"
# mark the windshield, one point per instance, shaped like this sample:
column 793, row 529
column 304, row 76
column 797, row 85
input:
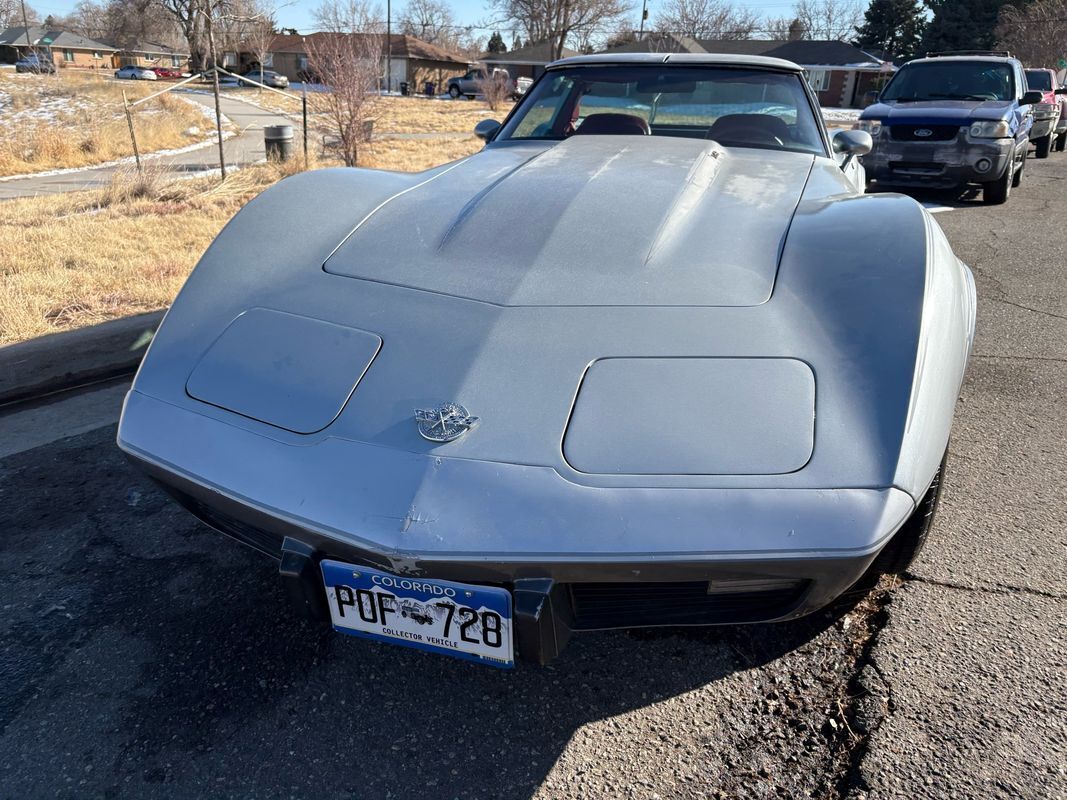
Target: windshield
column 1039, row 80
column 951, row 80
column 735, row 107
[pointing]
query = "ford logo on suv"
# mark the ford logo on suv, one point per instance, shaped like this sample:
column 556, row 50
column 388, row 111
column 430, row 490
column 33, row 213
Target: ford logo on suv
column 923, row 132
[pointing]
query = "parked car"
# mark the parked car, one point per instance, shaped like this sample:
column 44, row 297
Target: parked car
column 36, row 63
column 1050, row 115
column 470, row 85
column 267, row 78
column 608, row 423
column 133, row 73
column 166, row 72
column 948, row 121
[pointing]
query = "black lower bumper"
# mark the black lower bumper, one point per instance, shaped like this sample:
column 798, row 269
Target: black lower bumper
column 938, row 165
column 547, row 612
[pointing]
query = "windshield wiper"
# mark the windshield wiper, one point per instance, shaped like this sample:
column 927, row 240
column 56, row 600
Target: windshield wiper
column 959, row 97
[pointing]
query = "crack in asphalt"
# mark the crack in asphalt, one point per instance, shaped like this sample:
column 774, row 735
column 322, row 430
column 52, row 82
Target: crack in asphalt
column 1040, row 311
column 996, row 588
column 1018, row 358
column 868, row 695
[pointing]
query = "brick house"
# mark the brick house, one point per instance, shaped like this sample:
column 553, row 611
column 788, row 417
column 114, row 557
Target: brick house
column 526, row 62
column 411, row 60
column 67, row 49
column 152, row 54
column 841, row 75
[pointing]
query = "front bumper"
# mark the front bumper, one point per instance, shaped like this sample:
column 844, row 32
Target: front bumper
column 937, row 165
column 1044, row 125
column 575, row 557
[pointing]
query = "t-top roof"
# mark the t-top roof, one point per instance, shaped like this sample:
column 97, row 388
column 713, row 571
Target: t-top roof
column 711, row 59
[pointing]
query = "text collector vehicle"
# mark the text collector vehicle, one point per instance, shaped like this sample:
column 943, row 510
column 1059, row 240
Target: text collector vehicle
column 649, row 358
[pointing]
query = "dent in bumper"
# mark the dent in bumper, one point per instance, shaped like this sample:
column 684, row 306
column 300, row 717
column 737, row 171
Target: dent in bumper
column 937, row 164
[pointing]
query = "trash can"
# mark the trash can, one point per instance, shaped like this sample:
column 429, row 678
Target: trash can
column 404, row 88
column 429, row 88
column 278, row 140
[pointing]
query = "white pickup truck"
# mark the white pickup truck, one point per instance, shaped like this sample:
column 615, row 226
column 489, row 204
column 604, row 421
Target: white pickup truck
column 470, row 85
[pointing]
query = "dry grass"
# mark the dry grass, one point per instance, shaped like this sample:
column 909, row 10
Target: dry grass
column 413, row 155
column 391, row 114
column 77, row 120
column 67, row 261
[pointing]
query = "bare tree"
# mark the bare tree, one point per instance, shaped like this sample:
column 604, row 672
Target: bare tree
column 829, row 19
column 495, row 87
column 432, row 21
column 707, row 19
column 191, row 17
column 557, row 21
column 349, row 16
column 1035, row 32
column 11, row 14
column 259, row 31
column 348, row 61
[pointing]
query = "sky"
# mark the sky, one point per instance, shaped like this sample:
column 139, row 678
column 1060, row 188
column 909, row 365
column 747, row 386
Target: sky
column 298, row 13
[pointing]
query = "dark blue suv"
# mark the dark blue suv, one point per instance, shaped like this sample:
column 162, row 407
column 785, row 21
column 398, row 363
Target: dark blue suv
column 946, row 121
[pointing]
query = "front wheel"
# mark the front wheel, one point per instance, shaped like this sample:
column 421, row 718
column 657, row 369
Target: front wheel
column 1018, row 177
column 1061, row 142
column 996, row 192
column 453, row 91
column 1043, row 146
column 907, row 542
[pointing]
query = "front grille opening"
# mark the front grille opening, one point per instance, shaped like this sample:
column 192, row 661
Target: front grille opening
column 638, row 605
column 932, row 133
column 921, row 167
column 264, row 541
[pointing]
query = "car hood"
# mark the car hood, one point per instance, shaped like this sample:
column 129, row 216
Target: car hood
column 938, row 112
column 638, row 220
column 935, row 112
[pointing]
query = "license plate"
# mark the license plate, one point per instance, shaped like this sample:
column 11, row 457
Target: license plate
column 457, row 619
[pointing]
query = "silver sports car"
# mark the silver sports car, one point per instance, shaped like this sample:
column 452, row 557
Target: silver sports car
column 649, row 358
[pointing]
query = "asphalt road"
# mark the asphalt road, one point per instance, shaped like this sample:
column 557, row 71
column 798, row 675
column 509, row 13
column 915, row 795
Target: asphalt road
column 244, row 148
column 143, row 655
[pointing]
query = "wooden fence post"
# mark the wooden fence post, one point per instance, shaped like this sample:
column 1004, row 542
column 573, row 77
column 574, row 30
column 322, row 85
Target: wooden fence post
column 133, row 136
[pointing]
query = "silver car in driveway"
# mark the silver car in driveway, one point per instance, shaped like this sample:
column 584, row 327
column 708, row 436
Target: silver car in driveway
column 649, row 358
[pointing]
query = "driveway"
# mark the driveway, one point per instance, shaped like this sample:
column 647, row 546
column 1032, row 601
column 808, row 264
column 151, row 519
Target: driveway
column 244, row 148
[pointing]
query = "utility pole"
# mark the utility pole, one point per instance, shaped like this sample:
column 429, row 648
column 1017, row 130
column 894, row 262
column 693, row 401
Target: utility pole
column 388, row 45
column 26, row 26
column 644, row 16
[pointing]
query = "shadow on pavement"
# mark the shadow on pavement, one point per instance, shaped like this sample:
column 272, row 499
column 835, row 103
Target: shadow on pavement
column 175, row 655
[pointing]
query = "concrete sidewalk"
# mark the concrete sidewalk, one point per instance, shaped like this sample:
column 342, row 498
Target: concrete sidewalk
column 245, row 148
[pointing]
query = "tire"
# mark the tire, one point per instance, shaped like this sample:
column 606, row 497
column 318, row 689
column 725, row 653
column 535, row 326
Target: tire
column 1018, row 177
column 996, row 192
column 1043, row 146
column 453, row 92
column 907, row 542
column 1061, row 142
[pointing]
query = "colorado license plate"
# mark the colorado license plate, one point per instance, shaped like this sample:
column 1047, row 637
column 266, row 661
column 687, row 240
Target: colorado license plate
column 458, row 619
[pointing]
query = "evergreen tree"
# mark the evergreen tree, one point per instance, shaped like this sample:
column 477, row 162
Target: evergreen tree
column 516, row 42
column 894, row 27
column 496, row 43
column 961, row 25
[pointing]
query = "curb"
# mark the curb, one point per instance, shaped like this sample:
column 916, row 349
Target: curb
column 67, row 360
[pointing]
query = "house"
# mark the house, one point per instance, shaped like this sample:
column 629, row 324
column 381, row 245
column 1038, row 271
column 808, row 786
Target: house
column 67, row 49
column 152, row 54
column 840, row 74
column 526, row 62
column 412, row 60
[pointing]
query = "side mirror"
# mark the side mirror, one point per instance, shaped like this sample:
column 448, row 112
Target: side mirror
column 486, row 129
column 1029, row 98
column 851, row 144
column 1062, row 90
